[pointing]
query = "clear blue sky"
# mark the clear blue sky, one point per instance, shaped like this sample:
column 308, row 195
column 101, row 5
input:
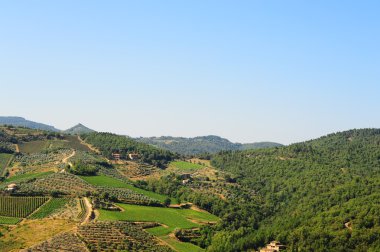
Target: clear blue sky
column 249, row 71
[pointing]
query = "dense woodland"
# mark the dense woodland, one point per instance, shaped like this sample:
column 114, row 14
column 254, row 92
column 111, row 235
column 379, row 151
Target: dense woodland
column 320, row 195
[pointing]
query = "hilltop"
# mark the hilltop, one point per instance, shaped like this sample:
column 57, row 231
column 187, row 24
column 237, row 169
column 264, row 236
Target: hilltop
column 78, row 130
column 201, row 144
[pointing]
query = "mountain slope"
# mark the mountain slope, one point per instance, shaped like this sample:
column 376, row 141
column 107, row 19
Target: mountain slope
column 78, row 129
column 320, row 195
column 201, row 144
column 20, row 121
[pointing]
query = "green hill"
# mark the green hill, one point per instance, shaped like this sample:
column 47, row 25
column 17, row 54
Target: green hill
column 78, row 130
column 319, row 195
column 201, row 144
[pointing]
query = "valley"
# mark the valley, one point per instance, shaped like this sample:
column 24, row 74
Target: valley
column 111, row 193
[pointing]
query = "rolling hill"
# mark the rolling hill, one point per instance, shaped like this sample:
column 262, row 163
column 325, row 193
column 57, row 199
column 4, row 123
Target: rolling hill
column 201, row 144
column 319, row 195
column 20, row 121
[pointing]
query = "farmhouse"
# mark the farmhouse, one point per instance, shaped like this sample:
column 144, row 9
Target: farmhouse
column 274, row 246
column 186, row 181
column 185, row 176
column 116, row 156
column 133, row 156
column 11, row 188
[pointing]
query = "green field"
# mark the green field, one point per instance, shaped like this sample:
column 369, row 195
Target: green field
column 159, row 231
column 105, row 181
column 185, row 166
column 173, row 218
column 4, row 159
column 9, row 220
column 49, row 207
column 170, row 217
column 181, row 246
column 163, row 233
column 27, row 176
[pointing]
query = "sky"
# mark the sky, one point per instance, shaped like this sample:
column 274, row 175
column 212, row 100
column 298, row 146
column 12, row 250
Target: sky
column 283, row 71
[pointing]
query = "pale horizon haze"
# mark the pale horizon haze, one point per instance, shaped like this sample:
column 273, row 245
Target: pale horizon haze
column 248, row 71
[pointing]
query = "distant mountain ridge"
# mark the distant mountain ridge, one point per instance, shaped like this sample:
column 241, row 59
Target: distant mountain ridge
column 20, row 121
column 201, row 144
column 78, row 129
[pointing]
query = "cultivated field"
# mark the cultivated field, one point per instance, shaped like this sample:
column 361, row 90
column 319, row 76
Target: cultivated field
column 20, row 207
column 173, row 218
column 49, row 208
column 104, row 181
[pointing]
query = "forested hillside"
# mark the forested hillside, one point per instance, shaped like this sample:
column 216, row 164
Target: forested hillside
column 109, row 143
column 201, row 144
column 320, row 195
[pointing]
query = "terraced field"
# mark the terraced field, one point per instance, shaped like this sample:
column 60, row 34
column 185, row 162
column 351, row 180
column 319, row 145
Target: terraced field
column 118, row 236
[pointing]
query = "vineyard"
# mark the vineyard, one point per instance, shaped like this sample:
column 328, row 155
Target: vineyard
column 20, row 207
column 118, row 236
column 49, row 208
column 82, row 213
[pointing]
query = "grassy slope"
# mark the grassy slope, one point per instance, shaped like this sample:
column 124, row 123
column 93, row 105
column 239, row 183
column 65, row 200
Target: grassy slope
column 49, row 207
column 181, row 246
column 105, row 181
column 9, row 220
column 4, row 159
column 30, row 232
column 163, row 234
column 173, row 218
